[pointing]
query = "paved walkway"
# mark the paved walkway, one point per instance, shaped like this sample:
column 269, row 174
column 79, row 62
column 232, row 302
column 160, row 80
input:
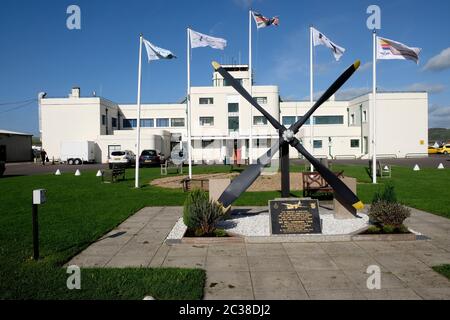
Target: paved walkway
column 329, row 270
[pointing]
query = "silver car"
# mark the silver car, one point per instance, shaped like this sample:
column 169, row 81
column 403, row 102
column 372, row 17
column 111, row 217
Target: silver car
column 123, row 158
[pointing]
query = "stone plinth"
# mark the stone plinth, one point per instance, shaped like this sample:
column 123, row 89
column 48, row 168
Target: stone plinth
column 341, row 210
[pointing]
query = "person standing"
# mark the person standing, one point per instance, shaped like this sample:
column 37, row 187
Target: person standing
column 43, row 156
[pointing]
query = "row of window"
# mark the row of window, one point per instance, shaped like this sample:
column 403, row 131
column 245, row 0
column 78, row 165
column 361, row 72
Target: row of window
column 318, row 144
column 209, row 100
column 324, row 120
column 150, row 123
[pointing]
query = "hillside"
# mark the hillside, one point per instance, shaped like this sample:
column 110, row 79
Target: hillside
column 438, row 134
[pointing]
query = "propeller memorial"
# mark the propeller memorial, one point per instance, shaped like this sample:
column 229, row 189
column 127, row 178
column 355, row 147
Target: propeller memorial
column 287, row 138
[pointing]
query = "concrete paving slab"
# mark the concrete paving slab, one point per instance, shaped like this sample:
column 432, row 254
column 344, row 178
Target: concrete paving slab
column 400, row 262
column 281, row 295
column 265, row 249
column 226, row 285
column 392, row 294
column 388, row 280
column 354, row 262
column 336, row 295
column 433, row 293
column 85, row 261
column 234, row 249
column 160, row 256
column 325, row 280
column 313, row 263
column 423, row 279
column 342, row 248
column 185, row 262
column 123, row 261
column 270, row 263
column 276, row 281
column 188, row 250
column 301, row 249
column 226, row 263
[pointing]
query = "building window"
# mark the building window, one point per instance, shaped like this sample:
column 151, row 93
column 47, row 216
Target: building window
column 227, row 84
column 114, row 122
column 352, row 119
column 233, row 124
column 162, row 122
column 259, row 120
column 177, row 122
column 206, row 101
column 307, row 121
column 364, row 117
column 288, row 120
column 207, row 143
column 147, row 123
column 317, row 144
column 206, row 121
column 261, row 100
column 329, row 120
column 103, row 119
column 233, row 107
column 129, row 123
column 354, row 143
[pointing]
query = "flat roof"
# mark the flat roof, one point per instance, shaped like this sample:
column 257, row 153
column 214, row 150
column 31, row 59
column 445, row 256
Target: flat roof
column 14, row 133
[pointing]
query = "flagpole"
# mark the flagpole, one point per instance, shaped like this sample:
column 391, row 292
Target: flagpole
column 138, row 124
column 250, row 77
column 311, row 88
column 188, row 102
column 374, row 104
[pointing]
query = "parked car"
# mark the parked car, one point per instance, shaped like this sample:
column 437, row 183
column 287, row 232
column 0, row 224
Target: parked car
column 445, row 149
column 150, row 158
column 125, row 157
column 433, row 150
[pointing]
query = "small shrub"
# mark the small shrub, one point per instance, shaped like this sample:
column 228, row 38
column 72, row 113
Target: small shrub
column 373, row 229
column 220, row 233
column 388, row 214
column 200, row 214
column 389, row 229
column 388, row 195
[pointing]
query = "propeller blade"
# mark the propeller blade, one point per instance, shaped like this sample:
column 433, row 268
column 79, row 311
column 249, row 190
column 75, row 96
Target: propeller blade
column 330, row 91
column 343, row 192
column 240, row 89
column 248, row 176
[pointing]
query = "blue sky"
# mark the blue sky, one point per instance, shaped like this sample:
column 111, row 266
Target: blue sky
column 39, row 53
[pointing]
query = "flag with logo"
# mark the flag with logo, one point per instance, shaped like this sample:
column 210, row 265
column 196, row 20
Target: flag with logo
column 320, row 39
column 262, row 22
column 202, row 40
column 389, row 49
column 157, row 53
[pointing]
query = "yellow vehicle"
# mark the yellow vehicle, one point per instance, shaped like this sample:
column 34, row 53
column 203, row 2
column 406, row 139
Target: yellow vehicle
column 433, row 150
column 445, row 149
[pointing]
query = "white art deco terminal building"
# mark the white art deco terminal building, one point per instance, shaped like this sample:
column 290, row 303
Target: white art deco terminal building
column 223, row 123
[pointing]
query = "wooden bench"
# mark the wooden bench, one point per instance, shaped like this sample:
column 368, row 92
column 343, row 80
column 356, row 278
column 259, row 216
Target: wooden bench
column 113, row 175
column 168, row 165
column 314, row 183
column 188, row 184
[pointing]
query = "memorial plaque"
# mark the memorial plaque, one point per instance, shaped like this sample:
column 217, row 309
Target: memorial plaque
column 294, row 216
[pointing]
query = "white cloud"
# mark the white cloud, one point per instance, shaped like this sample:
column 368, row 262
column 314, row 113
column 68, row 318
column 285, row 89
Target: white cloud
column 439, row 116
column 430, row 88
column 439, row 62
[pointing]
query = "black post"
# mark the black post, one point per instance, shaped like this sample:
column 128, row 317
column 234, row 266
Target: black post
column 35, row 232
column 284, row 165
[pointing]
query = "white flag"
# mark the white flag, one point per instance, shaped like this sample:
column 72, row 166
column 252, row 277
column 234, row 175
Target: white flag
column 156, row 53
column 320, row 39
column 390, row 49
column 202, row 40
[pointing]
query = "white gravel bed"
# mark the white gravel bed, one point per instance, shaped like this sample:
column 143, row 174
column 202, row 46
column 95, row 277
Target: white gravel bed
column 177, row 231
column 259, row 225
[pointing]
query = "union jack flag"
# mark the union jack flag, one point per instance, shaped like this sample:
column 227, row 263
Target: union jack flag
column 262, row 22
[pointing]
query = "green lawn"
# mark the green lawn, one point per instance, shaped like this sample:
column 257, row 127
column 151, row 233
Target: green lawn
column 81, row 209
column 443, row 269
